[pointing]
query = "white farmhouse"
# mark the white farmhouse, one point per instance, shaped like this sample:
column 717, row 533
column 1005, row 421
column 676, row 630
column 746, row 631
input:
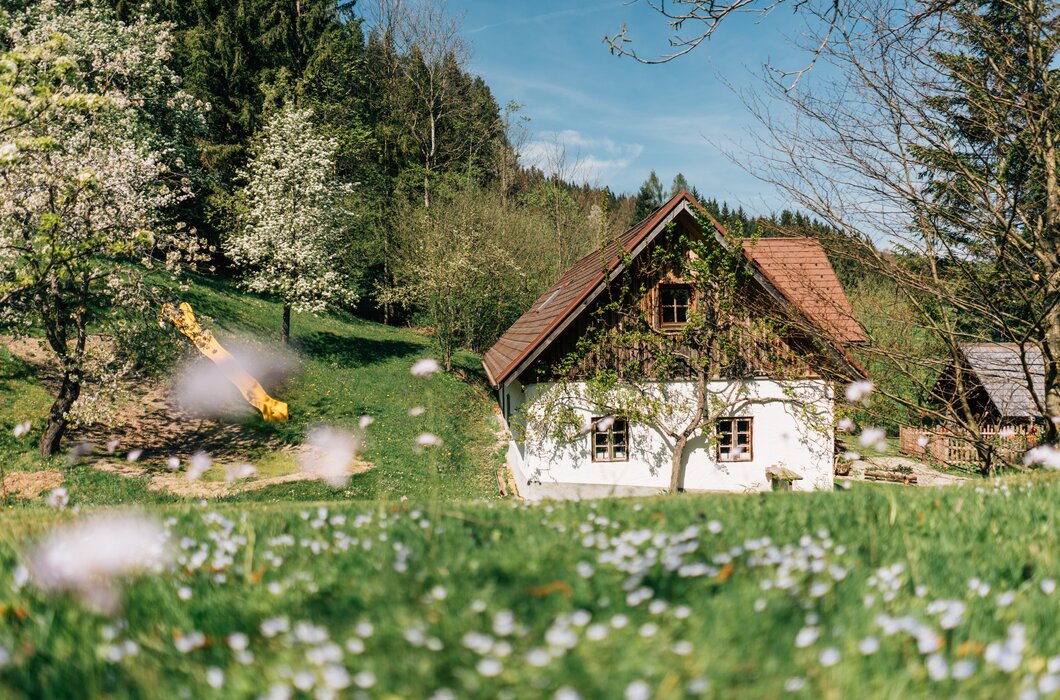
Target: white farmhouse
column 771, row 411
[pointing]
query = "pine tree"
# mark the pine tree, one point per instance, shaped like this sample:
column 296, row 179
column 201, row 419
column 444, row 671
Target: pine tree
column 649, row 198
column 680, row 184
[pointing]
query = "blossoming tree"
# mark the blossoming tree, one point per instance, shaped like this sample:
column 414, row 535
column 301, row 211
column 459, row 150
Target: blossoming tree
column 290, row 243
column 90, row 116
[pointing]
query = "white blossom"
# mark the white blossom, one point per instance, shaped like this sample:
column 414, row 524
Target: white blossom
column 328, row 454
column 425, row 367
column 90, row 557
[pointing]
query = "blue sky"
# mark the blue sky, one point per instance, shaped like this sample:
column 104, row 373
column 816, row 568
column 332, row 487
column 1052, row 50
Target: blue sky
column 618, row 118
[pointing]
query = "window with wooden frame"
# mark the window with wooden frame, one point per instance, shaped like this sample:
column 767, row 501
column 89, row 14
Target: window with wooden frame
column 735, row 439
column 610, row 440
column 675, row 302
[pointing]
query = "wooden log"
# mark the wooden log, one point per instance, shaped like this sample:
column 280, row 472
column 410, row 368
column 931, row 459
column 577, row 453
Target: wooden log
column 892, row 476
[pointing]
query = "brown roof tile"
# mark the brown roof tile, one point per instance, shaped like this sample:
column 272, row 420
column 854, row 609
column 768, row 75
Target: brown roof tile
column 800, row 270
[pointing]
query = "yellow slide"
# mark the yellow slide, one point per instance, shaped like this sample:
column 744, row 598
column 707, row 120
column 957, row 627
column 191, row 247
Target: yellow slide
column 184, row 319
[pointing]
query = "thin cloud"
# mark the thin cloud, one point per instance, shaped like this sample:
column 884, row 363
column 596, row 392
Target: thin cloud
column 579, row 158
column 546, row 16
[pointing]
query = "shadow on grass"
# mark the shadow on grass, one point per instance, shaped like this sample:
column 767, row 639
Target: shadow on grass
column 354, row 351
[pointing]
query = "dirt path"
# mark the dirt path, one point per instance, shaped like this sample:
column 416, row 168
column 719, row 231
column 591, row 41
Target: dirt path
column 151, row 419
column 177, row 483
column 925, row 475
column 30, row 484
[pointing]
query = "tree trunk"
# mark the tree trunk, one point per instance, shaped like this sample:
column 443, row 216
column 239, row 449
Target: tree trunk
column 677, row 472
column 286, row 332
column 1051, row 339
column 56, row 426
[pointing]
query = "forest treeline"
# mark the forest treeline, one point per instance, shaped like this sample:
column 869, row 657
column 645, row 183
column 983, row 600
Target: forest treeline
column 437, row 184
column 427, row 148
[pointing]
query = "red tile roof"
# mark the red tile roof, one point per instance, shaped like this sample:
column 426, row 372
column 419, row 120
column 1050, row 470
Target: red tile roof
column 799, row 269
column 827, row 305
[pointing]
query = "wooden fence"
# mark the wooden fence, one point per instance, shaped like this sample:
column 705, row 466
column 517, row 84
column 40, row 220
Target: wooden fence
column 950, row 447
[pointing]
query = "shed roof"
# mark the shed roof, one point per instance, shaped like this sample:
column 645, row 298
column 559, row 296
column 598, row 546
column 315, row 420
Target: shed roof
column 798, row 270
column 999, row 367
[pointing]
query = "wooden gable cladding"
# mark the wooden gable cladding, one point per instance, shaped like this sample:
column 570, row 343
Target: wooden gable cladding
column 758, row 340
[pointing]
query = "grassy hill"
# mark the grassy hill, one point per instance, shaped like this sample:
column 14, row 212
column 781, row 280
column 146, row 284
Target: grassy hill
column 876, row 592
column 344, row 368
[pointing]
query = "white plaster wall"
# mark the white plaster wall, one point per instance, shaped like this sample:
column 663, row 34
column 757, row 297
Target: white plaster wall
column 785, row 435
column 515, row 456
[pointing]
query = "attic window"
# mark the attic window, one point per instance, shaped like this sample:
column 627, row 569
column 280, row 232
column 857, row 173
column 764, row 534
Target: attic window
column 675, row 302
column 551, row 296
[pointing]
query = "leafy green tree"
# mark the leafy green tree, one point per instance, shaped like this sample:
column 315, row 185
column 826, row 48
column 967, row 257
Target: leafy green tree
column 454, row 273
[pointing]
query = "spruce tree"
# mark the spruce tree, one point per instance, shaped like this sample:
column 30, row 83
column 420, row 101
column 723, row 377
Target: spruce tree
column 649, row 198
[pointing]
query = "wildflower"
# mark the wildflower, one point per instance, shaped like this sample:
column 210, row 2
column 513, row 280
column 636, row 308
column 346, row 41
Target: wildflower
column 806, row 637
column 134, row 455
column 22, row 428
column 58, row 498
column 189, row 642
column 873, row 437
column 428, row 440
column 637, row 690
column 198, row 465
column 365, row 421
column 173, row 464
column 112, row 445
column 329, row 454
column 869, row 646
column 829, row 657
column 859, row 390
column 489, row 667
column 537, row 657
column 1047, row 456
column 937, row 667
column 962, row 670
column 595, row 632
column 184, row 593
column 78, row 450
column 923, row 440
column 215, row 677
column 364, row 679
column 237, row 641
column 336, row 677
column 234, row 472
column 682, row 648
column 274, row 626
column 1048, row 586
column 846, row 425
column 567, row 693
column 90, row 557
column 698, row 686
column 794, row 685
column 425, row 367
column 417, row 411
